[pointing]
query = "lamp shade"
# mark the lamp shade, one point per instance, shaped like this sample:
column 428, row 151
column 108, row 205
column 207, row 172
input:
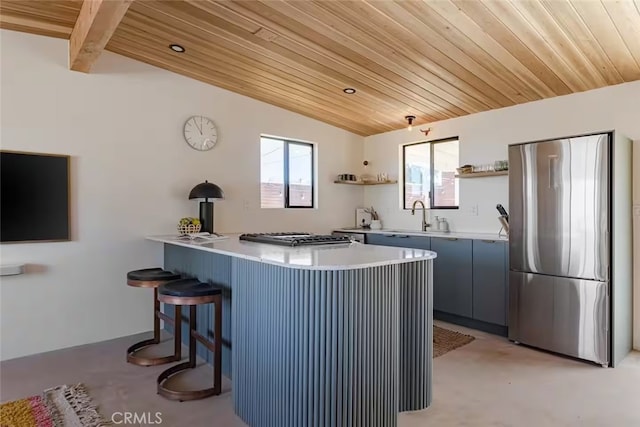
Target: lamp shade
column 206, row 190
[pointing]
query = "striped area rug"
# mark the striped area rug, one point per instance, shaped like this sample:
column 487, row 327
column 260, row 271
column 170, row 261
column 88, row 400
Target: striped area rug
column 62, row 406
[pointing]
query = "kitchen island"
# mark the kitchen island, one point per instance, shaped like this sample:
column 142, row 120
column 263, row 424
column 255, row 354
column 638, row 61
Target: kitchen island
column 335, row 335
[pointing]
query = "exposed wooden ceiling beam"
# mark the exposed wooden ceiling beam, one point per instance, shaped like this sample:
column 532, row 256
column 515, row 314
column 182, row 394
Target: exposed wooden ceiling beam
column 97, row 21
column 28, row 24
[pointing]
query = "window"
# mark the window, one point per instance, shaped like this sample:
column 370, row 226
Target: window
column 286, row 174
column 429, row 169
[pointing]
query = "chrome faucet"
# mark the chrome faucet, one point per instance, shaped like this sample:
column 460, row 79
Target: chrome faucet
column 425, row 224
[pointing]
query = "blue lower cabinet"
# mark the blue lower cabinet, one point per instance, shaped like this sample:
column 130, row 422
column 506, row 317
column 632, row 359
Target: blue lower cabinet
column 469, row 278
column 452, row 276
column 490, row 281
column 399, row 240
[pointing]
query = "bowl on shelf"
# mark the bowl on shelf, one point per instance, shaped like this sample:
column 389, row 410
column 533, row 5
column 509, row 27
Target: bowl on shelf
column 366, row 178
column 346, row 177
column 464, row 169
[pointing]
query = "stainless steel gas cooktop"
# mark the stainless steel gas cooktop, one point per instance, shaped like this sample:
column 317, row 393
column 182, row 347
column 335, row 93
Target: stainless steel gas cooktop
column 295, row 239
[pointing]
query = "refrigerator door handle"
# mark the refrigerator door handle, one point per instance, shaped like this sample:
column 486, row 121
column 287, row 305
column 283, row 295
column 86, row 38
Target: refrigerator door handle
column 553, row 171
column 606, row 261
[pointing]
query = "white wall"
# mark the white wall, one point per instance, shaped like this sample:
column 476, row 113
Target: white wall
column 484, row 137
column 131, row 175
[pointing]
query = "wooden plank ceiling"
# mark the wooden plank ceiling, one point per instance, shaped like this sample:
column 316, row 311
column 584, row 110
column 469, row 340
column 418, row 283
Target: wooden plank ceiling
column 431, row 59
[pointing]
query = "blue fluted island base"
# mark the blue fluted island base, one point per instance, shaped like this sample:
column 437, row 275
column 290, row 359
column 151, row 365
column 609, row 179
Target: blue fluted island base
column 346, row 345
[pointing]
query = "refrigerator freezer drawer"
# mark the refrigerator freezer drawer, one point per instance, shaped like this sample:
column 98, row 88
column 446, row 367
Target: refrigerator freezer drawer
column 560, row 314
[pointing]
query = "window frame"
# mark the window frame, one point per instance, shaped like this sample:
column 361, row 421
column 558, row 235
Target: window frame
column 285, row 154
column 431, row 172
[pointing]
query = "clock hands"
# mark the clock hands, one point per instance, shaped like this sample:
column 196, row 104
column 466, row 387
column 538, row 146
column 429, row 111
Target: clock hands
column 206, row 138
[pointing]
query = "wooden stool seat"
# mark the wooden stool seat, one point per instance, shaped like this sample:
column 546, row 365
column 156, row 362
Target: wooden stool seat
column 150, row 277
column 153, row 278
column 193, row 293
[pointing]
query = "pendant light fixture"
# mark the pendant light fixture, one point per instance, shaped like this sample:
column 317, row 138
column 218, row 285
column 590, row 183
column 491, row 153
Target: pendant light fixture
column 410, row 120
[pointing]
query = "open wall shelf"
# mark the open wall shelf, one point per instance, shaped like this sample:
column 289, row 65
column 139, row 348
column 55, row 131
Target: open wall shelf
column 366, row 182
column 482, row 174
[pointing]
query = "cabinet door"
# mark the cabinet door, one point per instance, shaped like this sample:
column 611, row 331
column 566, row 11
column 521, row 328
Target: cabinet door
column 399, row 240
column 452, row 276
column 490, row 281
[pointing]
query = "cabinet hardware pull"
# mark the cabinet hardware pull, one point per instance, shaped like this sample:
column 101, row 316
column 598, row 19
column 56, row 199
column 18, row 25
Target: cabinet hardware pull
column 452, row 238
column 403, row 237
column 489, row 241
column 391, row 235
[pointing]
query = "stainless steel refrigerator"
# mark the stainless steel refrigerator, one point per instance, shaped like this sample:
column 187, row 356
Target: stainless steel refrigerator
column 560, row 245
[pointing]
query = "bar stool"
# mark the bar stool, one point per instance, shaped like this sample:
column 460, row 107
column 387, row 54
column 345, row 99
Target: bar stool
column 153, row 278
column 193, row 293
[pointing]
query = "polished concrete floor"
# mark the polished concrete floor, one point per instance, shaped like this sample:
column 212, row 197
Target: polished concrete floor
column 489, row 382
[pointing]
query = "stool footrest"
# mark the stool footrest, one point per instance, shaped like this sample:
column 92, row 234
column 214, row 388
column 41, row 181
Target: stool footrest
column 148, row 361
column 164, row 317
column 203, row 340
column 195, row 337
column 183, row 395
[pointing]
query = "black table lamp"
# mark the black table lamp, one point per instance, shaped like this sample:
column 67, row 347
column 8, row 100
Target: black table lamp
column 206, row 191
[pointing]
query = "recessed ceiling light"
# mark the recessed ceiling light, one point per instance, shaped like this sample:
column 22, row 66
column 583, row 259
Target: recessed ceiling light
column 349, row 90
column 177, row 48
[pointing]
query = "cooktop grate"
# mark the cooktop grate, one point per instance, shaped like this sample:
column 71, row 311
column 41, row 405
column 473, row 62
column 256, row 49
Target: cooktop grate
column 294, row 239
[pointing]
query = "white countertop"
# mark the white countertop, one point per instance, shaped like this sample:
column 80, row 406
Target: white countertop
column 450, row 235
column 323, row 257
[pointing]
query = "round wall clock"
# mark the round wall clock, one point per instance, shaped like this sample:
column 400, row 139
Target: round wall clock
column 200, row 133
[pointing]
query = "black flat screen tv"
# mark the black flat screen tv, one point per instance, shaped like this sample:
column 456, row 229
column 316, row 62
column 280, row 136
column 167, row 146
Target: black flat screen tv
column 34, row 197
